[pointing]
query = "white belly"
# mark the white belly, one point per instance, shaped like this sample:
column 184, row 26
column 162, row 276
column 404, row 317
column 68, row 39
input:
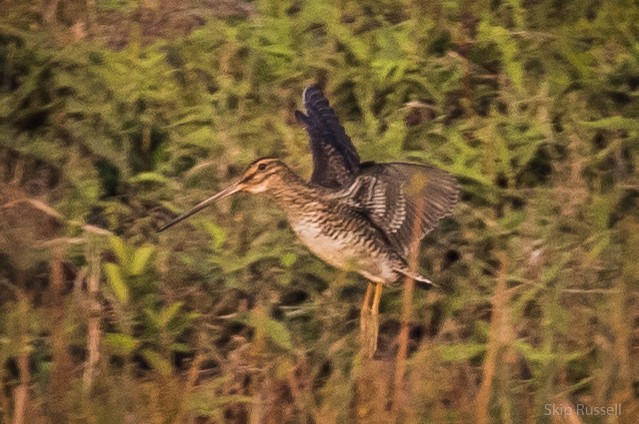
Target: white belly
column 337, row 251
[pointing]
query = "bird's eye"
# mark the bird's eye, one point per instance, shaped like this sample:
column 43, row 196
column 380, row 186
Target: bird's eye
column 261, row 166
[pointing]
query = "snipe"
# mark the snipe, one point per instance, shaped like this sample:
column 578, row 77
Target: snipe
column 357, row 216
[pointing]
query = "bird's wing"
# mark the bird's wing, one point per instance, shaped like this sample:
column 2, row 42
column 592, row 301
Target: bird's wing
column 335, row 160
column 402, row 199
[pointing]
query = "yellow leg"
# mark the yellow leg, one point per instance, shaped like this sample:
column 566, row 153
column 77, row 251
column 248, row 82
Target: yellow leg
column 369, row 319
column 367, row 297
column 375, row 316
column 364, row 314
column 378, row 296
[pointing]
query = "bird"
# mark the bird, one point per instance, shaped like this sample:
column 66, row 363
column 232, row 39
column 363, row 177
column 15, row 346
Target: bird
column 356, row 216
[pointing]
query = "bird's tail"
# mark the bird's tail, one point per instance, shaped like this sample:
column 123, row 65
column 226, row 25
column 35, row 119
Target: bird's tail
column 420, row 281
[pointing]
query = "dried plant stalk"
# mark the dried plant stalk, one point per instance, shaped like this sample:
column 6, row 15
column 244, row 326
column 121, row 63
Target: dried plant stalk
column 407, row 311
column 21, row 394
column 94, row 333
column 498, row 321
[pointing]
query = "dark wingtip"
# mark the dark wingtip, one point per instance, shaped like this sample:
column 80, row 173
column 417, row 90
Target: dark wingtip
column 423, row 285
column 302, row 118
column 313, row 93
column 367, row 164
column 311, row 89
column 420, row 281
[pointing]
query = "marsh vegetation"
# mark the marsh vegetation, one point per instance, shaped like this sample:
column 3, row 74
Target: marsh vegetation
column 116, row 115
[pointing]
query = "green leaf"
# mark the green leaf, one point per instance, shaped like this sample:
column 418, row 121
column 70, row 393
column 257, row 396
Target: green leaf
column 508, row 48
column 169, row 313
column 155, row 360
column 121, row 344
column 461, row 351
column 602, row 242
column 288, row 259
column 115, row 280
column 217, row 233
column 140, row 259
column 201, row 137
column 121, row 250
column 534, row 354
column 181, row 347
column 153, row 318
column 513, row 220
column 613, row 123
column 393, row 138
column 148, row 177
column 278, row 334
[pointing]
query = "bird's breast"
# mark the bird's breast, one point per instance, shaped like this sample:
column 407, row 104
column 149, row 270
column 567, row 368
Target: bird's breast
column 342, row 244
column 333, row 248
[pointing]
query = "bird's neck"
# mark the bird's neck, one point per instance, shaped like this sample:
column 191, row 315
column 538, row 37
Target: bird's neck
column 293, row 192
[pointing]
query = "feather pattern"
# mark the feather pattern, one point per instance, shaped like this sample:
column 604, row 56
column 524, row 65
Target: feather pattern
column 397, row 198
column 401, row 198
column 356, row 216
column 335, row 160
column 367, row 207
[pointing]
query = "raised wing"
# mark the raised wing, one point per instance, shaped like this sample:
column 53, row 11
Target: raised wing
column 335, row 160
column 402, row 199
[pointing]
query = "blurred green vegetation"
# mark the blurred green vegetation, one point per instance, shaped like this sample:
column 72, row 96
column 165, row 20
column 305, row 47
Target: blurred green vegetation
column 114, row 115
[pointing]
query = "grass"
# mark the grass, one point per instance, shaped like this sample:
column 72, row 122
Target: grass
column 116, row 115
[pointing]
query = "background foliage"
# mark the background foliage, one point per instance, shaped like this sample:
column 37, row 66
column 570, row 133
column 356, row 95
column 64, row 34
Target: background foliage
column 114, row 115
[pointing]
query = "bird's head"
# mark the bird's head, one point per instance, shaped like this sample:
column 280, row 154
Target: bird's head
column 260, row 176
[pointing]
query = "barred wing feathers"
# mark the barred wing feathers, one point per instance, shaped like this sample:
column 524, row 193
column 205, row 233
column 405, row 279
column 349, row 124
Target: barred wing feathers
column 400, row 198
column 335, row 160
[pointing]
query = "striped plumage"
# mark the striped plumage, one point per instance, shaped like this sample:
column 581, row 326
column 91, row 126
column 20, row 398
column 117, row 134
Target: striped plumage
column 356, row 216
column 334, row 230
column 367, row 226
column 395, row 201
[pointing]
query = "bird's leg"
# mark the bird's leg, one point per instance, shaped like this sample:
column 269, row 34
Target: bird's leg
column 369, row 318
column 365, row 313
column 368, row 324
column 367, row 297
column 375, row 316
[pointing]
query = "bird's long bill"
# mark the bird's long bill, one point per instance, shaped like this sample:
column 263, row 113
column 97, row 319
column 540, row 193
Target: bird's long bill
column 234, row 188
